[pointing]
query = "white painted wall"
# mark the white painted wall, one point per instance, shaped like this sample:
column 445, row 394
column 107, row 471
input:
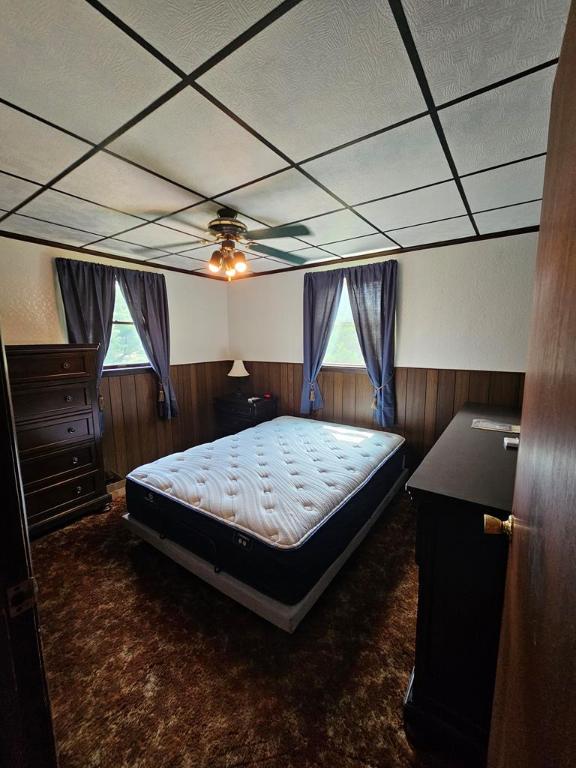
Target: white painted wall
column 31, row 313
column 461, row 306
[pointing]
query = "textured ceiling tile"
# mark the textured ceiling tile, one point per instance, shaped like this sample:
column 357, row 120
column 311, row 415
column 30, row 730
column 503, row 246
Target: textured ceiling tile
column 75, row 62
column 439, row 202
column 359, row 245
column 194, row 143
column 202, row 254
column 109, row 181
column 182, row 262
column 32, row 149
column 397, row 160
column 22, row 225
column 505, row 186
column 434, row 233
column 13, row 191
column 71, row 212
column 514, row 217
column 506, row 123
column 465, row 46
column 336, row 226
column 186, row 32
column 287, row 196
column 314, row 255
column 196, row 219
column 266, row 265
column 130, row 250
column 326, row 72
column 156, row 236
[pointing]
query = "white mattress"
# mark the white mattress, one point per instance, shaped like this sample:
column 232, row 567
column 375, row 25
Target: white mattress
column 279, row 481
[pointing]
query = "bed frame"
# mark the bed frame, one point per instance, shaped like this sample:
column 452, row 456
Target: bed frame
column 286, row 617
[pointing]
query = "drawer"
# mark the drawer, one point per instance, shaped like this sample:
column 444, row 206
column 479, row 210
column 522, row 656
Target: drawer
column 80, row 458
column 50, row 365
column 70, row 493
column 55, row 432
column 31, row 403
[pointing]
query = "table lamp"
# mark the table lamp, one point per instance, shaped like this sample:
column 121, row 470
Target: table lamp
column 238, row 371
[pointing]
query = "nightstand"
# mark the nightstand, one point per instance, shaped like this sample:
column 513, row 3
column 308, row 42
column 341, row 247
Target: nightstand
column 234, row 413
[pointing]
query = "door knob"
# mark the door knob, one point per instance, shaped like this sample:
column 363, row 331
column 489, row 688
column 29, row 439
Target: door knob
column 493, row 525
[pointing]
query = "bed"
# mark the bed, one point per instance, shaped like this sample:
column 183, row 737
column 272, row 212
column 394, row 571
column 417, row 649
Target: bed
column 268, row 515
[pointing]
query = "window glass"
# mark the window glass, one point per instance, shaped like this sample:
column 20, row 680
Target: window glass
column 125, row 345
column 344, row 347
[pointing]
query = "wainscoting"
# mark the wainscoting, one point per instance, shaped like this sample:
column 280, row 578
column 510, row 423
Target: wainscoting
column 427, row 398
column 133, row 433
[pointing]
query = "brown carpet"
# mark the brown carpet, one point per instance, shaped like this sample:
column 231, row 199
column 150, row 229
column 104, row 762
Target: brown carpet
column 151, row 668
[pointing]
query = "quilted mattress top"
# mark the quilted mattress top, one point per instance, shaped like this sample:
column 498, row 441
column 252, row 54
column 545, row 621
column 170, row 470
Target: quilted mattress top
column 279, row 481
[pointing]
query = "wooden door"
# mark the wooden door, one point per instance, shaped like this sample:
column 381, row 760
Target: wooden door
column 26, row 735
column 534, row 713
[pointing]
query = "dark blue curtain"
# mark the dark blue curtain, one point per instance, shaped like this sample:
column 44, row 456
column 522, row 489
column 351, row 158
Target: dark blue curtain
column 322, row 291
column 145, row 294
column 88, row 296
column 88, row 292
column 372, row 291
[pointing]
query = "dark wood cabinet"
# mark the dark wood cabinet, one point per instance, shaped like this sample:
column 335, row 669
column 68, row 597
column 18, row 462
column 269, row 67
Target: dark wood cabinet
column 55, row 403
column 462, row 571
column 235, row 413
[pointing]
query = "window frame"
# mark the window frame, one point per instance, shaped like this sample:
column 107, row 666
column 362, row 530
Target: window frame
column 124, row 369
column 343, row 367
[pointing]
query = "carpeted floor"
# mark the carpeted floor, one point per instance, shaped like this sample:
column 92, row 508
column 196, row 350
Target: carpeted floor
column 150, row 668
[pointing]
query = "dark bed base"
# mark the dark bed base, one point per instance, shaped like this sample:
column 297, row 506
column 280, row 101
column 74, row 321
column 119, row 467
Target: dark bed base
column 285, row 575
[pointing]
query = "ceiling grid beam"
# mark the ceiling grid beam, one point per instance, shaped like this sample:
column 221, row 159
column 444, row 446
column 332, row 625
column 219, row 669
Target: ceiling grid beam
column 221, row 55
column 412, row 51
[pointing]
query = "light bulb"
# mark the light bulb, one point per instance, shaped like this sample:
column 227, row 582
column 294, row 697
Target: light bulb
column 230, row 272
column 215, row 263
column 239, row 262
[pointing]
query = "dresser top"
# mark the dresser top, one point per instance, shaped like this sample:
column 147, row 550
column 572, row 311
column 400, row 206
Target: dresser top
column 471, row 464
column 43, row 349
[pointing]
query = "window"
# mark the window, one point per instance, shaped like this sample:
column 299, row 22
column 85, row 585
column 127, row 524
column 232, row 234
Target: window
column 344, row 347
column 125, row 346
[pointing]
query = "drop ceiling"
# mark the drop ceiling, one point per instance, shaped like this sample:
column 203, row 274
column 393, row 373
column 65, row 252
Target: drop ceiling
column 126, row 124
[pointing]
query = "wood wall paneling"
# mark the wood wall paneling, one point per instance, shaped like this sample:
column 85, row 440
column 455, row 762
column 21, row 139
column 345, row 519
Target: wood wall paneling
column 427, row 399
column 133, row 433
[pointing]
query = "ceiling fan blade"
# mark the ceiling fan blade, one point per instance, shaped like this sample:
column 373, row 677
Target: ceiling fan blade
column 291, row 258
column 181, row 246
column 291, row 230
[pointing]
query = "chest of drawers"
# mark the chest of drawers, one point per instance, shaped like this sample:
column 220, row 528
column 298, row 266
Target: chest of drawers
column 57, row 418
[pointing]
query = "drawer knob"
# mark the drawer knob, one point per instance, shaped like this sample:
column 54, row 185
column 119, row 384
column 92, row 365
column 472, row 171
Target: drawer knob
column 68, row 398
column 66, row 365
column 71, row 429
column 75, row 459
column 78, row 490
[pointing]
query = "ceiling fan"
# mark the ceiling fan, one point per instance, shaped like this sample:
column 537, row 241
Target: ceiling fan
column 228, row 231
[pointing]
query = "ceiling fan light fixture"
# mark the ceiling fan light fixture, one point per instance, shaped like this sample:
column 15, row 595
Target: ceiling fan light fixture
column 215, row 263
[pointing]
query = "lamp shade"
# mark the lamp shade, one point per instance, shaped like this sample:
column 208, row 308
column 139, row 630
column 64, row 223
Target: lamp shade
column 238, row 369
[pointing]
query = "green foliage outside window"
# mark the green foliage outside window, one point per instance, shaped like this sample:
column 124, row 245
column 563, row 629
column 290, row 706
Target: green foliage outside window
column 125, row 345
column 344, row 347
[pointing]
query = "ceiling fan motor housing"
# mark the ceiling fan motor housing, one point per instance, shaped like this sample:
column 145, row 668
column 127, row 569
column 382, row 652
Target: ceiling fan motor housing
column 227, row 225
